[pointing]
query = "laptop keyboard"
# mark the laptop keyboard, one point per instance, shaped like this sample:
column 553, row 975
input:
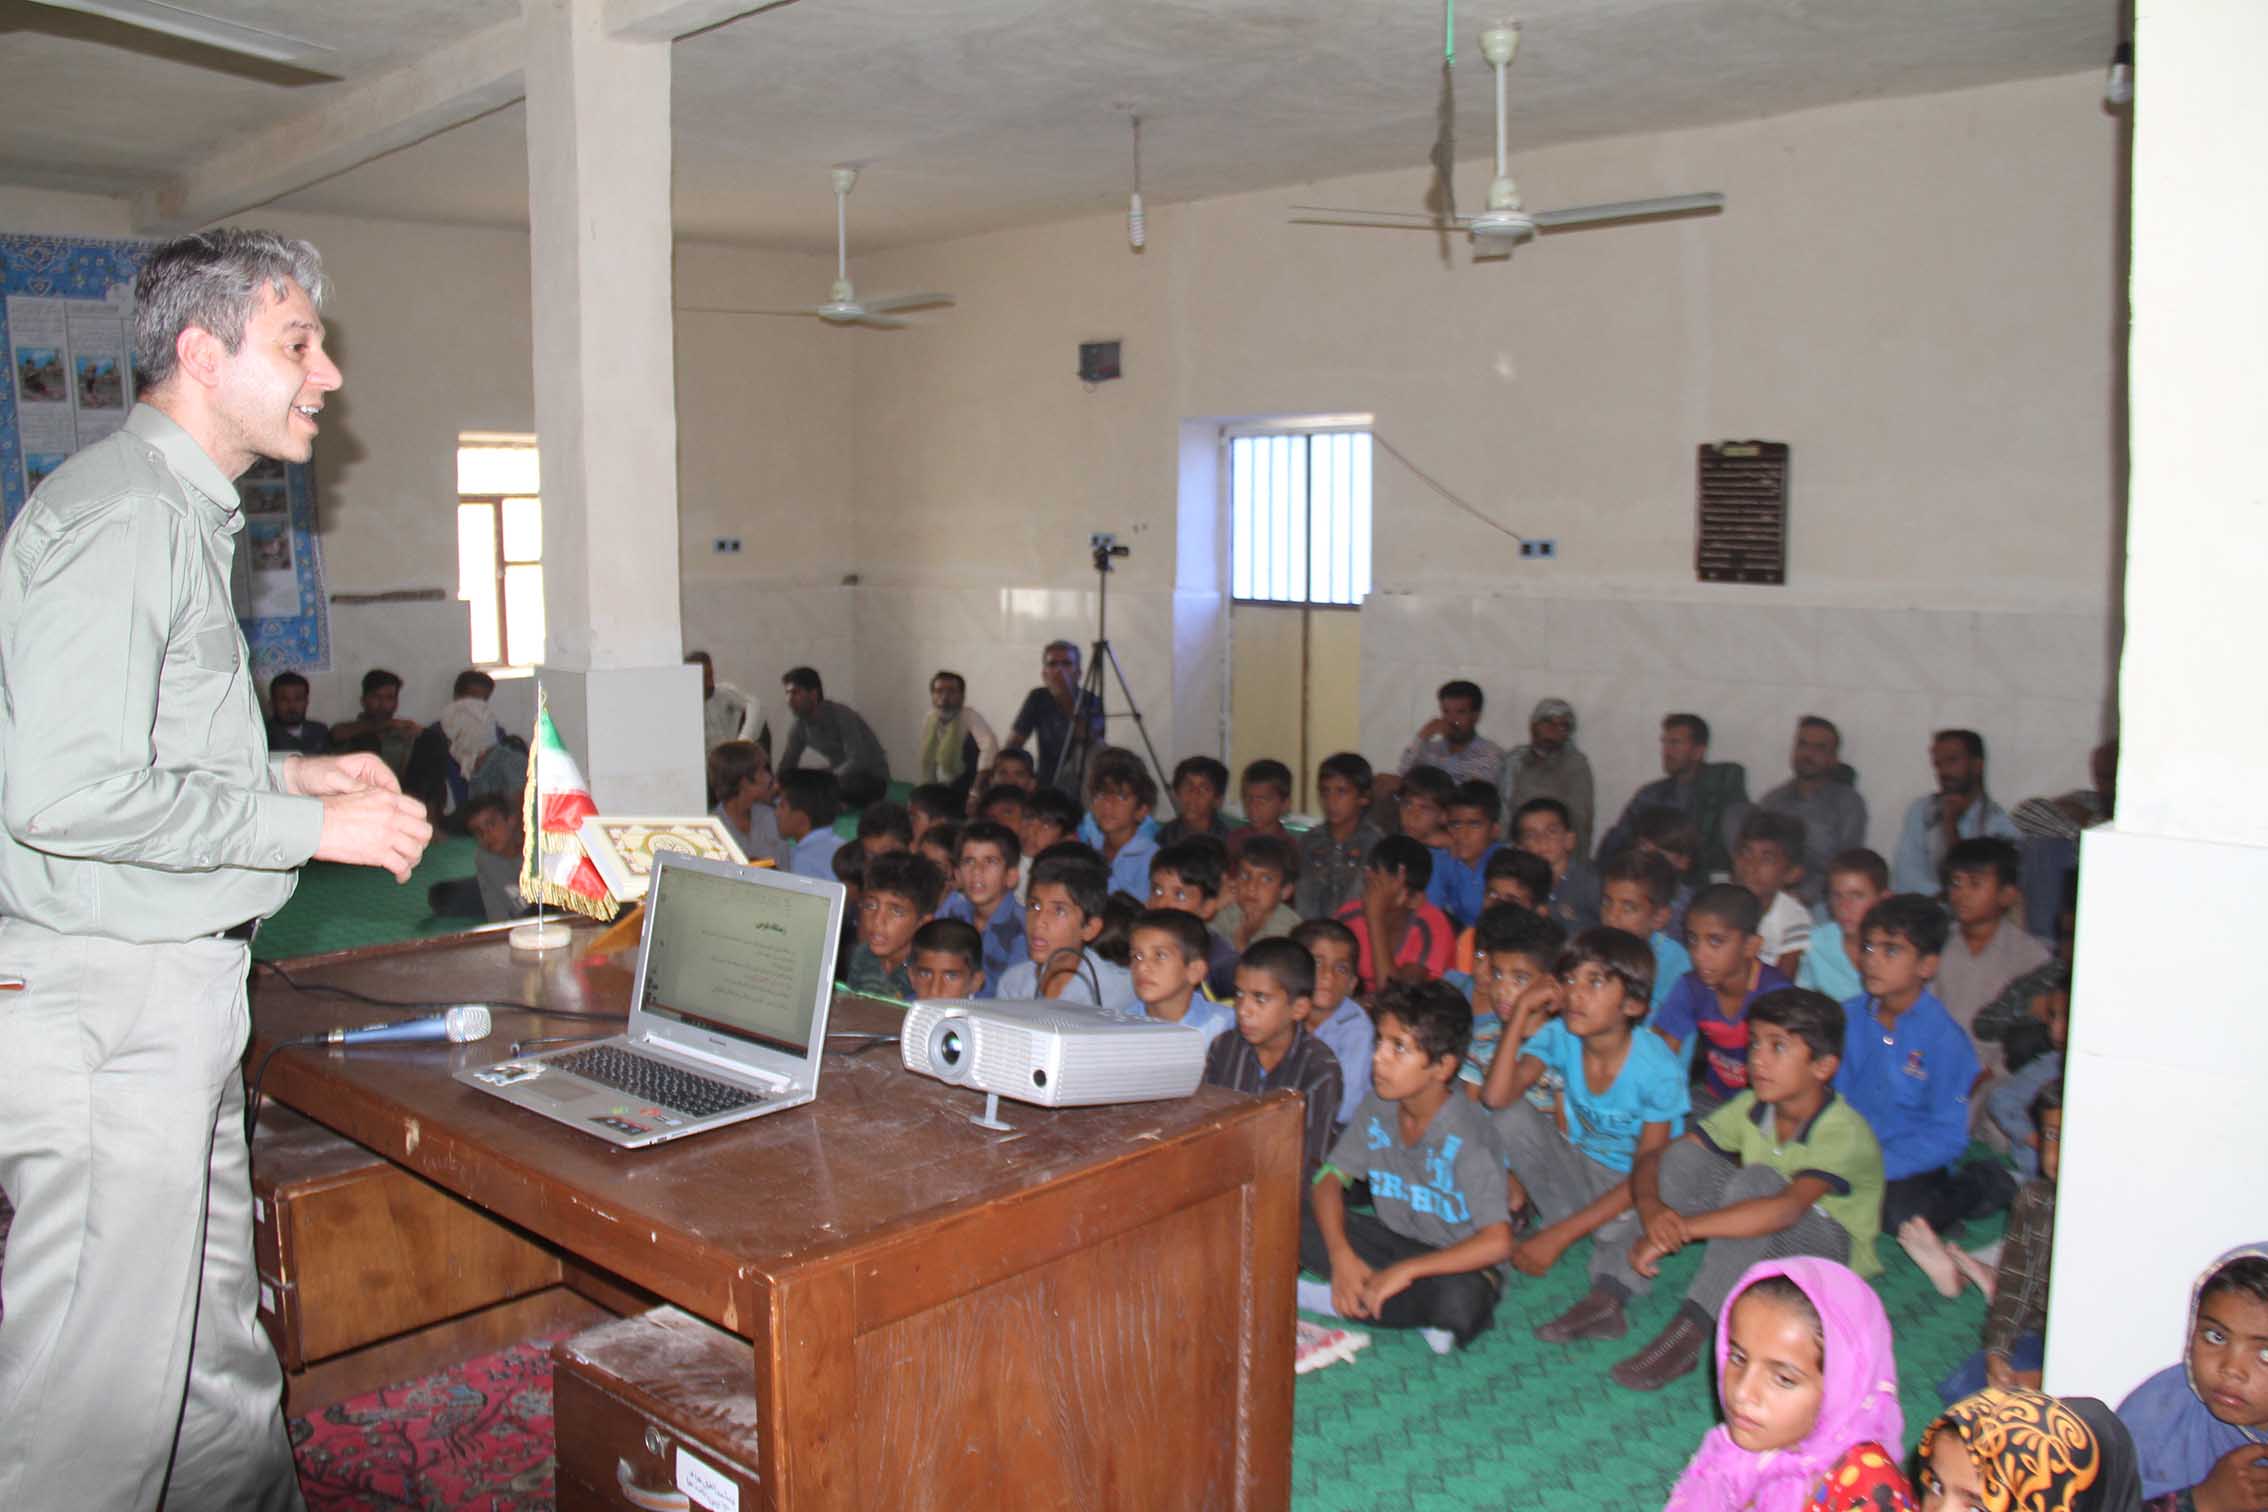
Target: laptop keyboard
column 655, row 1081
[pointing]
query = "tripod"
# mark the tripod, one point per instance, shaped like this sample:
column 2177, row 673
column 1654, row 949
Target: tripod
column 1090, row 710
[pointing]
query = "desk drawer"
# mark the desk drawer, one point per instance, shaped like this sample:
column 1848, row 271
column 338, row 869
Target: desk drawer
column 656, row 1411
column 353, row 1249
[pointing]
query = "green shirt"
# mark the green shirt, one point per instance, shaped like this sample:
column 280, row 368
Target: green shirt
column 138, row 797
column 1836, row 1146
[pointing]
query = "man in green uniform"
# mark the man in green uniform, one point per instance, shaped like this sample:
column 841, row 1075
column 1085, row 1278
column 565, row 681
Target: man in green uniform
column 147, row 832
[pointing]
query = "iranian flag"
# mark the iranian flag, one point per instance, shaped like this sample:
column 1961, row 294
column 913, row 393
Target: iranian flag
column 553, row 867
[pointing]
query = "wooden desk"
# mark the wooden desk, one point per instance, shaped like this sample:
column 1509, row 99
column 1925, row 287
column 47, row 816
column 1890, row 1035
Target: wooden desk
column 1093, row 1310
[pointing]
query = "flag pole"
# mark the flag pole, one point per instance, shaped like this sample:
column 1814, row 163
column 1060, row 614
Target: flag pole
column 545, row 933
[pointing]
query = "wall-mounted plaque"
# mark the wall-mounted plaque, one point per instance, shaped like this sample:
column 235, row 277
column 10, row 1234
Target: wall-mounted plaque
column 1742, row 534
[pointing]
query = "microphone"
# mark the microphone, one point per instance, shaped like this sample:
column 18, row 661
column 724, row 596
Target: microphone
column 460, row 1025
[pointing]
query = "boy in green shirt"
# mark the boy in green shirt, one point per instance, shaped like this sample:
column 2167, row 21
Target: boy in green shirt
column 1784, row 1168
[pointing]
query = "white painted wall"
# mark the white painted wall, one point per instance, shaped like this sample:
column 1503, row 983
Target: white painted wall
column 1917, row 294
column 2164, row 1120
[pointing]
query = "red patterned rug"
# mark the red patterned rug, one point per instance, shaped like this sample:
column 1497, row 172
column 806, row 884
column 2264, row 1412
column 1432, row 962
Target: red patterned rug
column 475, row 1438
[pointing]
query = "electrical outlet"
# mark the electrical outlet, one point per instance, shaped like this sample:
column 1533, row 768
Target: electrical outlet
column 1534, row 548
column 728, row 546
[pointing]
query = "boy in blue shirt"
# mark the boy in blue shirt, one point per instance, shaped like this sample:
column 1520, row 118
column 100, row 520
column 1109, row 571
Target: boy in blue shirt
column 990, row 860
column 806, row 809
column 1189, row 875
column 1120, row 794
column 1459, row 884
column 1165, row 955
column 1336, row 1018
column 1061, row 918
column 1431, row 1254
column 1623, row 1096
column 1909, row 1068
column 1513, row 949
column 1635, row 891
column 1708, row 1008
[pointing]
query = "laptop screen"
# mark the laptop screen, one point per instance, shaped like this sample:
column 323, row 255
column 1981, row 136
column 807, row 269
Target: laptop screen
column 736, row 955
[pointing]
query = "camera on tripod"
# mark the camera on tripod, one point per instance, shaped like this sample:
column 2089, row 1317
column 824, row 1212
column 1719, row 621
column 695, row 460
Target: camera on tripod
column 1105, row 546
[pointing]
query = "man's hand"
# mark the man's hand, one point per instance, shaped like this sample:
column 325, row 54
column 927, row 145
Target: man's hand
column 373, row 826
column 2239, row 1483
column 1432, row 728
column 323, row 776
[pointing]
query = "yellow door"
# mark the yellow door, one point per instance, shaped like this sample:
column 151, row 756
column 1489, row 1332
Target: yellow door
column 1294, row 676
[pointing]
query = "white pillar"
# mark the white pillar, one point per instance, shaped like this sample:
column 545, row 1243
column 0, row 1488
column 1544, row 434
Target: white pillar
column 606, row 408
column 2166, row 1106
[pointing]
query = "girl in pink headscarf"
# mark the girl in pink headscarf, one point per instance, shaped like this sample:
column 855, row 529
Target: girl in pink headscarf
column 1810, row 1392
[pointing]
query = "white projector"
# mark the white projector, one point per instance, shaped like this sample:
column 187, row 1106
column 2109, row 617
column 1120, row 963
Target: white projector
column 1058, row 1055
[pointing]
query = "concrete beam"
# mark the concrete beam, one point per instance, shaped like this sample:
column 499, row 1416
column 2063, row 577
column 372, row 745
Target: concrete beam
column 447, row 87
column 667, row 20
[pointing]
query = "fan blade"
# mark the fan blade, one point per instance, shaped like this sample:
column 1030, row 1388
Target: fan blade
column 738, row 310
column 1443, row 196
column 1425, row 218
column 886, row 322
column 1586, row 215
column 906, row 301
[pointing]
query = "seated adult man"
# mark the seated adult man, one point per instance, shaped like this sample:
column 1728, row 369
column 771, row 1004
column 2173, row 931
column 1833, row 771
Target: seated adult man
column 956, row 742
column 379, row 730
column 1047, row 716
column 1959, row 810
column 2051, row 827
column 1550, row 766
column 1820, row 792
column 1704, row 790
column 1452, row 741
column 832, row 736
column 726, row 712
column 289, row 728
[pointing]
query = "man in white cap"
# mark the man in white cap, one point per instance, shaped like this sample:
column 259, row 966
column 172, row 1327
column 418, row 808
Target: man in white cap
column 1550, row 766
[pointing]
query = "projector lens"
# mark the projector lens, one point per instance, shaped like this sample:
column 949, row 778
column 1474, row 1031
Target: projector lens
column 949, row 1051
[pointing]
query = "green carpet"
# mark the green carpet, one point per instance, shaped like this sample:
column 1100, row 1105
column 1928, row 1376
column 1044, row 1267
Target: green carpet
column 1507, row 1422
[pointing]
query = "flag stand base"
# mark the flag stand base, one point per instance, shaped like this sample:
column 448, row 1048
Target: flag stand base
column 550, row 934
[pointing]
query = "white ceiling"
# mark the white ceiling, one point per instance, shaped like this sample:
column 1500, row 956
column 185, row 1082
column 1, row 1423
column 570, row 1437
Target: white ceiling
column 976, row 114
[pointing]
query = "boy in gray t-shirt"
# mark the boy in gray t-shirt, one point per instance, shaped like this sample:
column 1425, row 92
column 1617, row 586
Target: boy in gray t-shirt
column 1433, row 1256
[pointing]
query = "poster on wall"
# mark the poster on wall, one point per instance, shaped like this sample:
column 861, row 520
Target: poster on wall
column 66, row 325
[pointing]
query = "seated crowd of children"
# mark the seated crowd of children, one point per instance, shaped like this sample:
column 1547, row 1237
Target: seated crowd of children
column 1507, row 1047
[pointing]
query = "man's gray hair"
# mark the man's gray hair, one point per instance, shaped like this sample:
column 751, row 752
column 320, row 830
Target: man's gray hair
column 211, row 281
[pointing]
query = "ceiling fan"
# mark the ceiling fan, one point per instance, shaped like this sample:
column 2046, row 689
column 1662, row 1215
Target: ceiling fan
column 196, row 26
column 1505, row 223
column 843, row 306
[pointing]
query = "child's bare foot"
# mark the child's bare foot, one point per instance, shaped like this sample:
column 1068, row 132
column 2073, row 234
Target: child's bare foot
column 1981, row 1275
column 1931, row 1253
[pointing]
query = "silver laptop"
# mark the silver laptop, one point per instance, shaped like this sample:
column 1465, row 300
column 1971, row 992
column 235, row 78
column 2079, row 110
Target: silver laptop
column 728, row 1016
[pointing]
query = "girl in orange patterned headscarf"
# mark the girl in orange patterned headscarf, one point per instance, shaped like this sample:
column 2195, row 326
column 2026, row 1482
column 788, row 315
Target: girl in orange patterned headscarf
column 2020, row 1451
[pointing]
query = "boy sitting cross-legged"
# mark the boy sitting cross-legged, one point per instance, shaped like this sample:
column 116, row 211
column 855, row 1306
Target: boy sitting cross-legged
column 1515, row 949
column 1189, row 875
column 1708, row 1007
column 1987, row 948
column 1541, row 828
column 1856, row 881
column 1062, row 916
column 1399, row 932
column 1260, row 889
column 1338, row 1020
column 1635, row 890
column 989, row 863
column 947, row 960
column 1273, row 1047
column 1332, row 853
column 1165, row 951
column 1909, row 1068
column 1623, row 1095
column 1786, row 1168
column 1768, row 861
column 1265, row 792
column 1120, row 794
column 1199, row 785
column 1512, row 876
column 1459, row 881
column 1432, row 1257
column 898, row 893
